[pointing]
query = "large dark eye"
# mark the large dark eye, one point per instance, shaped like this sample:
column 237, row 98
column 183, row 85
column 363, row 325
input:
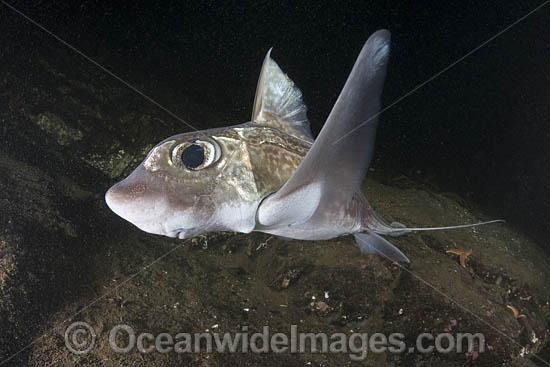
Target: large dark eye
column 192, row 156
column 195, row 155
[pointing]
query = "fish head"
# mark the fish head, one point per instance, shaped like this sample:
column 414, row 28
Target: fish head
column 190, row 184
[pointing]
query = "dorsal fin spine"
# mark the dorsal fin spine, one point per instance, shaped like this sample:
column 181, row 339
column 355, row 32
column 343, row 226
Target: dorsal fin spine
column 278, row 102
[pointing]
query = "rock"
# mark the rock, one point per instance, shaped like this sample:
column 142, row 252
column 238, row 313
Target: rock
column 55, row 126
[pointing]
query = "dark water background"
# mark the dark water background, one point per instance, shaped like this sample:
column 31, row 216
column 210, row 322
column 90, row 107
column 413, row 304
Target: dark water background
column 480, row 129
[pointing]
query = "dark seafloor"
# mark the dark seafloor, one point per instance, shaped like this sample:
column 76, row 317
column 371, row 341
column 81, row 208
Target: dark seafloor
column 470, row 145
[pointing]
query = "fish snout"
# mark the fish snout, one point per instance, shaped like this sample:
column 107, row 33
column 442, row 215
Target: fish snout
column 139, row 202
column 155, row 207
column 123, row 192
column 130, row 199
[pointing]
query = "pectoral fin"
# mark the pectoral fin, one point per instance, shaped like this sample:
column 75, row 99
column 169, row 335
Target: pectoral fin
column 337, row 161
column 296, row 208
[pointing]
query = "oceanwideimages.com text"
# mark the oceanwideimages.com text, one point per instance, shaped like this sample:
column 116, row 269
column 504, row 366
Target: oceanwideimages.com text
column 80, row 338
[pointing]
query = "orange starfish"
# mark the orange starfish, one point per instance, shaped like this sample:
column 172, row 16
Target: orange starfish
column 462, row 254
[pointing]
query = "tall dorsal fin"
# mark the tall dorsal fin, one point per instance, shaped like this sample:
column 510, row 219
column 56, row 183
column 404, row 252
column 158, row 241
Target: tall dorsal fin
column 278, row 102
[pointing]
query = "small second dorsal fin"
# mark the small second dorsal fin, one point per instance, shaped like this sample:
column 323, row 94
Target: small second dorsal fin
column 278, row 102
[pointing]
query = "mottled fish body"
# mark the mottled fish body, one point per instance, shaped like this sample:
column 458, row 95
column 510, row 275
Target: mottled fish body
column 269, row 174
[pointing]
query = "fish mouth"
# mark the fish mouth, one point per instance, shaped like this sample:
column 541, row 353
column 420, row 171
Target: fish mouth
column 188, row 232
column 149, row 212
column 183, row 233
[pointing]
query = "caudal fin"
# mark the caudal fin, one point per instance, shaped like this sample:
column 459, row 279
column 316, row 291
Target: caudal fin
column 370, row 242
column 399, row 229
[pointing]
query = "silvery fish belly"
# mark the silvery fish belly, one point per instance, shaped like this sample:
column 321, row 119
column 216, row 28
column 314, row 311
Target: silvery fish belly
column 269, row 174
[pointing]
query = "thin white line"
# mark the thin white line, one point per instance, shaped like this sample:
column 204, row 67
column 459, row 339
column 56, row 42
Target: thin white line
column 101, row 67
column 92, row 303
column 470, row 312
column 439, row 73
column 457, row 303
column 146, row 97
column 99, row 298
column 180, row 119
